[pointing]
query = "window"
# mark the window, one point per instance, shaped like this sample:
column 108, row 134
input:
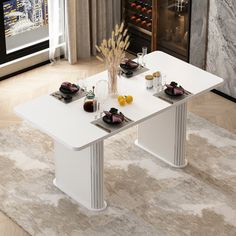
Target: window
column 23, row 28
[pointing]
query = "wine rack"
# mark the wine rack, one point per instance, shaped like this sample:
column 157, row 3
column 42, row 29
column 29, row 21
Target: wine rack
column 159, row 24
column 138, row 15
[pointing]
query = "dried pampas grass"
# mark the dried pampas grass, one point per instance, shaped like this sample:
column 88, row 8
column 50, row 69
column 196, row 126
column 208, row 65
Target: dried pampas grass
column 112, row 51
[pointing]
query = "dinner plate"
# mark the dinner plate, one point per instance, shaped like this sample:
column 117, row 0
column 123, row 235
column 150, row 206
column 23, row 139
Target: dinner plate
column 108, row 120
column 66, row 91
column 129, row 65
column 169, row 92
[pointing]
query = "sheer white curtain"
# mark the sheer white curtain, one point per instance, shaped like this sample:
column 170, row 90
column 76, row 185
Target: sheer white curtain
column 56, row 13
column 70, row 31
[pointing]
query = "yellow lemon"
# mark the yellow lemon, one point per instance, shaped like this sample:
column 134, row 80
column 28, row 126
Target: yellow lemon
column 129, row 99
column 120, row 97
column 122, row 101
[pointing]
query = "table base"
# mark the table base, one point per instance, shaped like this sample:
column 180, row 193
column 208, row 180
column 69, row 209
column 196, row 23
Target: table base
column 79, row 174
column 161, row 158
column 164, row 136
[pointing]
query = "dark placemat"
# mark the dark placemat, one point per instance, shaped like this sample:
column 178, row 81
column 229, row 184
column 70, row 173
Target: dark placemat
column 172, row 99
column 61, row 96
column 137, row 72
column 110, row 128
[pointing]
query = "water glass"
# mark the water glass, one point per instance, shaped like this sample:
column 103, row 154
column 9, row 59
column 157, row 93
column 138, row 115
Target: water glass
column 101, row 93
column 157, row 84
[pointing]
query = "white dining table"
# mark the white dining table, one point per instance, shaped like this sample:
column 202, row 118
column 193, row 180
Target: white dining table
column 79, row 144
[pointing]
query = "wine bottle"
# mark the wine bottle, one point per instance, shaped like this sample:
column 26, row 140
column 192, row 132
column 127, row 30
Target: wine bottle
column 144, row 21
column 138, row 20
column 133, row 4
column 139, row 6
column 133, row 17
column 149, row 11
column 149, row 24
column 144, row 9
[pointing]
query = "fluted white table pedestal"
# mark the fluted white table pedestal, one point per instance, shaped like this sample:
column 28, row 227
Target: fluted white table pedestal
column 164, row 136
column 80, row 174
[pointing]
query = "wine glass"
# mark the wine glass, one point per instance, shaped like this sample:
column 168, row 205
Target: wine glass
column 144, row 51
column 163, row 81
column 140, row 59
column 101, row 93
column 81, row 79
column 119, row 72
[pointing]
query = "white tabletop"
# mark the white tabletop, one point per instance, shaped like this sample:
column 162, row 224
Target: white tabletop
column 70, row 125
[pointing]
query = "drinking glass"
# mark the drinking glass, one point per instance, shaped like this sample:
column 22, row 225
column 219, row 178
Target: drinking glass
column 82, row 76
column 101, row 93
column 140, row 59
column 144, row 51
column 157, row 84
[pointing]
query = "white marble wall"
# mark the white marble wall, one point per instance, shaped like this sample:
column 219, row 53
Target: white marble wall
column 221, row 53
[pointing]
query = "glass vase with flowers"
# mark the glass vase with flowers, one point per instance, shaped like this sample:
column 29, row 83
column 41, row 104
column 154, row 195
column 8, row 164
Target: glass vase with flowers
column 112, row 52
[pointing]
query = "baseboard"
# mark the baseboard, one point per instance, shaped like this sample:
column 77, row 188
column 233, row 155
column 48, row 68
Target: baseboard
column 27, row 69
column 24, row 70
column 224, row 95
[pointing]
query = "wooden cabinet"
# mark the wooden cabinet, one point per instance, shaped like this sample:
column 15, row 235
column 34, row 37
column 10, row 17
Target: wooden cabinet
column 159, row 24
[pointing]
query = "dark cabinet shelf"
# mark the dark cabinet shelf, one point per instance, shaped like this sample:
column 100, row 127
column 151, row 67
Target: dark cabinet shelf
column 140, row 29
column 138, row 16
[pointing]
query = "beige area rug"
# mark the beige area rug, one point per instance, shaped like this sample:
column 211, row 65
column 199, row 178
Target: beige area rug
column 145, row 196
